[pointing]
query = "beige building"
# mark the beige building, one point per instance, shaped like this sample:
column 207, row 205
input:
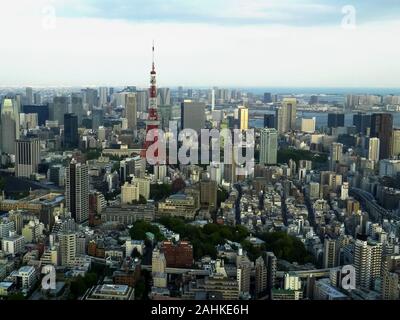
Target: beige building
column 129, row 193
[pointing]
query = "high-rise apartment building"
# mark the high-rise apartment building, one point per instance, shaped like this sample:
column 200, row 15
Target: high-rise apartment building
column 27, row 157
column 77, row 191
column 269, row 146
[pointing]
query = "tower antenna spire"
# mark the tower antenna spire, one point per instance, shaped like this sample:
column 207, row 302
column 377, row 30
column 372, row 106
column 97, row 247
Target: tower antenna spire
column 153, row 57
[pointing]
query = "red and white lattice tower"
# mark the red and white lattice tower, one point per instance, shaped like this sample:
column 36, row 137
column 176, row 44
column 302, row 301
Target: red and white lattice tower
column 152, row 120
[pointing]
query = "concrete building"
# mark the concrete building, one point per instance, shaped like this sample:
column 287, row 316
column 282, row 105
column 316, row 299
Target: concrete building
column 27, row 157
column 269, row 146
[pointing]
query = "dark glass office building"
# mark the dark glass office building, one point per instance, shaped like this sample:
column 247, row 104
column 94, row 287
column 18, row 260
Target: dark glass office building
column 362, row 121
column 382, row 128
column 71, row 137
column 335, row 120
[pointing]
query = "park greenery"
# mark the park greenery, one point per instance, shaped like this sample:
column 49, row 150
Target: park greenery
column 140, row 228
column 318, row 159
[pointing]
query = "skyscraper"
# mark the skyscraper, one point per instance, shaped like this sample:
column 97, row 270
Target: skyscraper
column 330, row 259
column 286, row 115
column 77, row 108
column 42, row 112
column 382, row 128
column 67, row 248
column 131, row 111
column 9, row 126
column 396, row 143
column 103, row 96
column 71, row 137
column 362, row 122
column 335, row 120
column 336, row 155
column 308, row 125
column 29, row 96
column 243, row 114
column 268, row 146
column 193, row 115
column 77, row 190
column 373, row 149
column 260, row 276
column 27, row 157
column 58, row 108
column 267, row 97
column 367, row 262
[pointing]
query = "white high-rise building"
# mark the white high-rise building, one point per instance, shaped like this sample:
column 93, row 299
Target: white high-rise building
column 373, row 149
column 336, row 155
column 67, row 248
column 269, row 146
column 308, row 125
column 159, row 264
column 9, row 124
column 368, row 263
column 344, row 194
column 103, row 94
column 129, row 193
column 77, row 191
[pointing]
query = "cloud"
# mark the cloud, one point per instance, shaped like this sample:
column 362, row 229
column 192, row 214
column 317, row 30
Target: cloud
column 231, row 12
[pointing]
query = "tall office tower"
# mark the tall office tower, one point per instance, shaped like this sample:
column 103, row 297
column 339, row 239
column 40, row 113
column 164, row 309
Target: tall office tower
column 103, row 96
column 152, row 122
column 269, row 121
column 351, row 101
column 67, row 248
column 281, row 119
column 164, row 97
column 286, row 115
column 29, row 95
column 9, row 126
column 335, row 120
column 362, row 122
column 367, row 262
column 396, row 143
column 131, row 111
column 77, row 190
column 142, row 100
column 208, row 194
column 193, row 115
column 27, row 157
column 71, row 136
column 269, row 146
column 390, row 286
column 271, row 264
column 291, row 105
column 382, row 128
column 58, row 108
column 336, row 155
column 158, row 267
column 260, row 277
column 243, row 115
column 213, row 99
column 308, row 125
column 180, row 94
column 77, row 108
column 267, row 97
column 97, row 118
column 91, row 98
column 314, row 190
column 37, row 98
column 373, row 149
column 330, row 258
column 344, row 194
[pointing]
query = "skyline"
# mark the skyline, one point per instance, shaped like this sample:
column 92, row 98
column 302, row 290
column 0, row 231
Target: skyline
column 231, row 44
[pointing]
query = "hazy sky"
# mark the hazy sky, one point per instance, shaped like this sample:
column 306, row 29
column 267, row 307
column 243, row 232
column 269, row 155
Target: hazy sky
column 200, row 42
